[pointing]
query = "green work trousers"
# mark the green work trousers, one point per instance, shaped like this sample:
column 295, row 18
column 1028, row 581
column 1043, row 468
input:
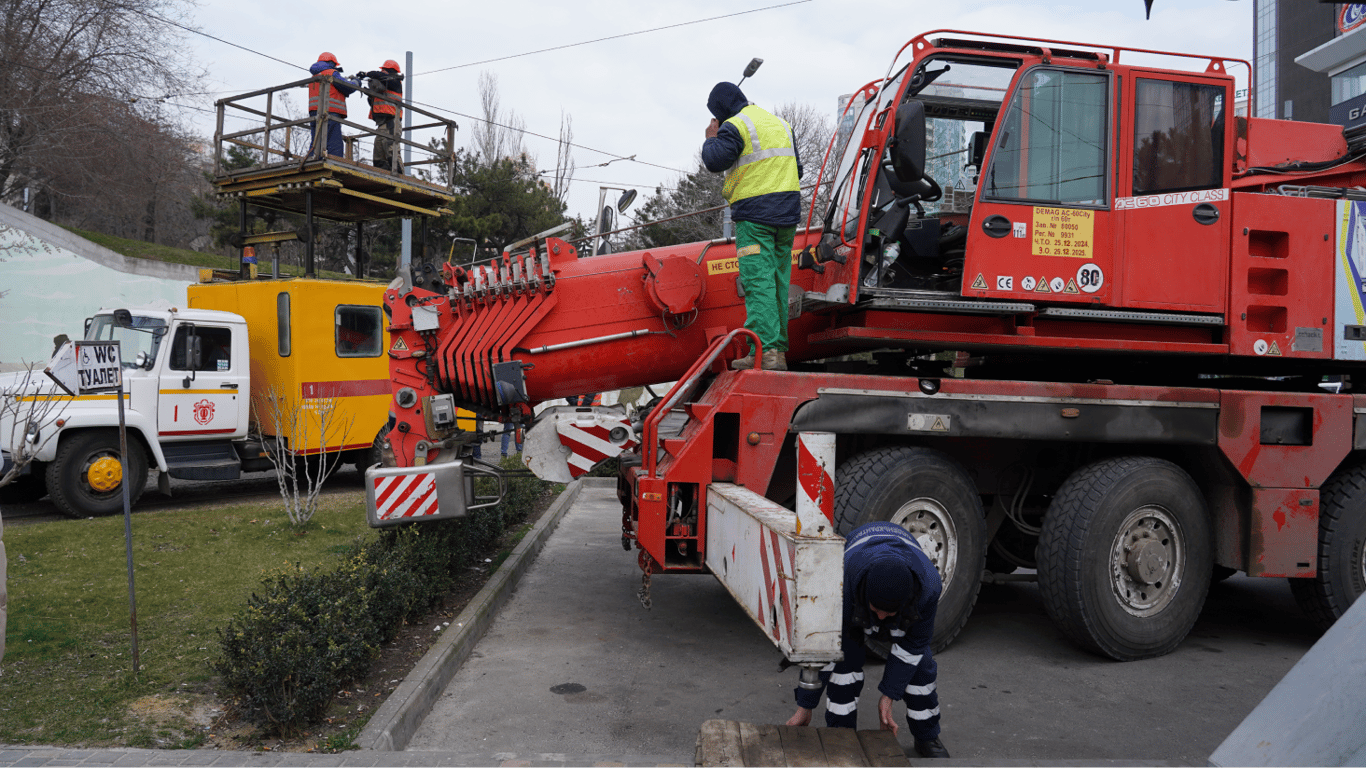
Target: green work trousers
column 765, row 255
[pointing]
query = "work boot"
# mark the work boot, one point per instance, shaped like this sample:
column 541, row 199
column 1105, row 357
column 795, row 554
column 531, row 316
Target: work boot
column 742, row 363
column 931, row 748
column 774, row 360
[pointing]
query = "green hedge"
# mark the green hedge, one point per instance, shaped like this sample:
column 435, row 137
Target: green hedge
column 305, row 634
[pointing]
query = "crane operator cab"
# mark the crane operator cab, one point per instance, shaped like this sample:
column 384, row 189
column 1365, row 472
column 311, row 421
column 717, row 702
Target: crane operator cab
column 1016, row 172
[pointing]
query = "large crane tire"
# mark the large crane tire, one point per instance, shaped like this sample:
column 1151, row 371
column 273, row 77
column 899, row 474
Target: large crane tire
column 1341, row 575
column 85, row 479
column 932, row 496
column 1125, row 557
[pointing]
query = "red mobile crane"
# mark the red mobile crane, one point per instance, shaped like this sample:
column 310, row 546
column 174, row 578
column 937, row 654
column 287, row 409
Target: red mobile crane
column 1103, row 362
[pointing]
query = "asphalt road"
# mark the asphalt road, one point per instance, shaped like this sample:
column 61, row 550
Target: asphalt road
column 575, row 666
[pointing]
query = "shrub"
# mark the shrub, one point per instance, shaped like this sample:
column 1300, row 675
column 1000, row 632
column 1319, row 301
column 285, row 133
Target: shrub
column 305, row 634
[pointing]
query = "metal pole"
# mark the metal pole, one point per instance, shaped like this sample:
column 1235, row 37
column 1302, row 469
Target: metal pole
column 725, row 224
column 128, row 522
column 242, row 229
column 360, row 255
column 308, row 226
column 405, row 259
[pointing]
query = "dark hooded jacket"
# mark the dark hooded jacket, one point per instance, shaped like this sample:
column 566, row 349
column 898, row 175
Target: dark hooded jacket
column 866, row 545
column 778, row 209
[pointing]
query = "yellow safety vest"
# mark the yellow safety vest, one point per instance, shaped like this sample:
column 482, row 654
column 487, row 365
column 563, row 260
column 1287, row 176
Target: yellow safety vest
column 768, row 163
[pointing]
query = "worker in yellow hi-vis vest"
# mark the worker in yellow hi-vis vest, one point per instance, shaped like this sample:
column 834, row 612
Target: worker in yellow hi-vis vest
column 758, row 153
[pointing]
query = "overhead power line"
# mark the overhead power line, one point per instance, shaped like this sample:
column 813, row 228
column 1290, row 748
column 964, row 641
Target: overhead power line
column 192, row 30
column 612, row 37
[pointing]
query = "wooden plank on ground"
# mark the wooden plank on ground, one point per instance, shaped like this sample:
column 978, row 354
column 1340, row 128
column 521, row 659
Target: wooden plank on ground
column 760, row 744
column 842, row 747
column 882, row 749
column 718, row 744
column 802, row 746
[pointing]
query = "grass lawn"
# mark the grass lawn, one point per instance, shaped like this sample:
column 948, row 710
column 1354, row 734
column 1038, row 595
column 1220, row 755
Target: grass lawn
column 138, row 249
column 67, row 673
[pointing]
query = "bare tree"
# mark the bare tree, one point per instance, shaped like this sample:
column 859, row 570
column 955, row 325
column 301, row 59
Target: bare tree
column 496, row 135
column 64, row 60
column 305, row 445
column 29, row 403
column 812, row 129
column 564, row 159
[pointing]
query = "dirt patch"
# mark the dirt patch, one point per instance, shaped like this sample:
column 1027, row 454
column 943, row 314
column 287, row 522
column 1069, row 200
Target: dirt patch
column 201, row 720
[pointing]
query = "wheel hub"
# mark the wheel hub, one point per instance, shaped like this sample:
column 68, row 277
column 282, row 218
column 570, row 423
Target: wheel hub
column 930, row 523
column 1147, row 560
column 104, row 474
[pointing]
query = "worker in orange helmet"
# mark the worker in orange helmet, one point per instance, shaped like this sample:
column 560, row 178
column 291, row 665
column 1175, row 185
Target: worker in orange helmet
column 340, row 88
column 386, row 113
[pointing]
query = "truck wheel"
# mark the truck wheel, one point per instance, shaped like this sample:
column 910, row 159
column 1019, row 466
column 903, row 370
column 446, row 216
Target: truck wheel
column 25, row 488
column 1342, row 549
column 930, row 495
column 85, row 478
column 1125, row 557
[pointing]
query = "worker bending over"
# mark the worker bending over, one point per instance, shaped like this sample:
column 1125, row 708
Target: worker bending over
column 758, row 153
column 891, row 592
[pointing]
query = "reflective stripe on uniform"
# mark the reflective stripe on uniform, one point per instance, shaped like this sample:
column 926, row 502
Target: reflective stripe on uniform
column 920, row 714
column 903, row 655
column 920, row 690
column 846, row 678
column 844, row 709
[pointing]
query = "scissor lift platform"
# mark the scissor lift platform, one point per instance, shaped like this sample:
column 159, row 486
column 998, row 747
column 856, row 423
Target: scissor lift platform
column 341, row 190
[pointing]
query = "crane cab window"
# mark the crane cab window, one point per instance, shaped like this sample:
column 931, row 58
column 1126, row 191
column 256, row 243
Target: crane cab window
column 359, row 332
column 1052, row 145
column 1178, row 136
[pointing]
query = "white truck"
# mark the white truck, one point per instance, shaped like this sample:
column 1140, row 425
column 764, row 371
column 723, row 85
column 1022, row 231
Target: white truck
column 190, row 378
column 186, row 400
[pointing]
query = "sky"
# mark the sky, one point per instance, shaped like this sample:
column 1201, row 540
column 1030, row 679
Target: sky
column 644, row 95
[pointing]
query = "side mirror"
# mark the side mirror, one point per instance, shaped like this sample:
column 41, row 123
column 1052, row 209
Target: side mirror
column 194, row 352
column 123, row 318
column 143, row 361
column 908, row 144
column 977, row 148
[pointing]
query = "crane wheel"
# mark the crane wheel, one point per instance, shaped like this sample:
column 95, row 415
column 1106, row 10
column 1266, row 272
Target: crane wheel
column 933, row 497
column 86, row 480
column 1125, row 557
column 1341, row 575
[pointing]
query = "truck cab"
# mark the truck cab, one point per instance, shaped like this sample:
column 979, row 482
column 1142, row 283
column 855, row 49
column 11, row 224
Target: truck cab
column 185, row 390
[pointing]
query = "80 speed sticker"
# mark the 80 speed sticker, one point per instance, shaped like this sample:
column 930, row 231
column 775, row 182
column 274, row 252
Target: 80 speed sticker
column 1090, row 278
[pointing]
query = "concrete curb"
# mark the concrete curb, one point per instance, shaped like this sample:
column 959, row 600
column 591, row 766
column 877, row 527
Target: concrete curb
column 394, row 723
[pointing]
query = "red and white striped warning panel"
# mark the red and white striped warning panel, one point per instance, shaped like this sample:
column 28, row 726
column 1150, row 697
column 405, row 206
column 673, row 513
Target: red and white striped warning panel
column 590, row 440
column 405, row 496
column 396, row 495
column 790, row 584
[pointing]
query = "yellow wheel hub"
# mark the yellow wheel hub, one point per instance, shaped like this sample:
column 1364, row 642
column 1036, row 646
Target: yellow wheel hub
column 105, row 474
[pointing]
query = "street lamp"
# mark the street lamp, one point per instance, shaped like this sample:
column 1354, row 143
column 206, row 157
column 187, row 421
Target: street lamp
column 605, row 215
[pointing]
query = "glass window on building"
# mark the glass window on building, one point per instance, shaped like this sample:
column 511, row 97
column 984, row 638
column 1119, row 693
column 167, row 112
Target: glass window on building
column 1052, row 145
column 1178, row 137
column 1350, row 84
column 359, row 332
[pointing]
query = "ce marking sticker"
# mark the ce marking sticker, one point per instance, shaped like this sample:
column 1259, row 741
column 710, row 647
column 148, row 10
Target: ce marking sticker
column 1005, row 283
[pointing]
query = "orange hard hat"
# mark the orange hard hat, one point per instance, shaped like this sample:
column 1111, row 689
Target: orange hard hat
column 391, row 64
column 325, row 56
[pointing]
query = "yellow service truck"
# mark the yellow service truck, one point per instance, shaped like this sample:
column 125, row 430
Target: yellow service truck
column 208, row 389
